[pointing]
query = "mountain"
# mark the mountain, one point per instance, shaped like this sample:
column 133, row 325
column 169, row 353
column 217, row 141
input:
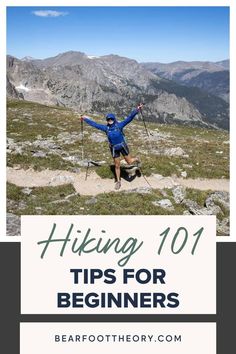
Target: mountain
column 113, row 83
column 68, row 58
column 224, row 64
column 27, row 58
column 208, row 76
column 12, row 91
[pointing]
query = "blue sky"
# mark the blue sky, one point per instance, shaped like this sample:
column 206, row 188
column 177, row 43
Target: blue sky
column 162, row 34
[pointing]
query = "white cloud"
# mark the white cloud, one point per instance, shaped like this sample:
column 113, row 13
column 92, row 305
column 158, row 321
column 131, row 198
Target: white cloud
column 49, row 13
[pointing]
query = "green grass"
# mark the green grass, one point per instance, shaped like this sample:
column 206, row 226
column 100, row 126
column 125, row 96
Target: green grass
column 51, row 162
column 15, row 193
column 197, row 196
column 42, row 201
column 63, row 200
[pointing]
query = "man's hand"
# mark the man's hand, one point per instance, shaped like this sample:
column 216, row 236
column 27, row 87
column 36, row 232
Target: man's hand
column 81, row 118
column 140, row 106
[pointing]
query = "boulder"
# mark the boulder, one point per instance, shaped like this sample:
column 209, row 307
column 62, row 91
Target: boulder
column 164, row 203
column 176, row 151
column 184, row 174
column 91, row 201
column 220, row 197
column 223, row 227
column 178, row 194
column 196, row 209
column 27, row 190
column 39, row 154
column 13, row 225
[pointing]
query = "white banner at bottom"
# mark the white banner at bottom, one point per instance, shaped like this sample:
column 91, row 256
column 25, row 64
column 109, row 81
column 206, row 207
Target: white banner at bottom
column 106, row 338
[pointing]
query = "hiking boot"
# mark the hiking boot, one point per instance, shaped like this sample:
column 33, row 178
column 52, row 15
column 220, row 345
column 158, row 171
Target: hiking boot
column 137, row 163
column 117, row 185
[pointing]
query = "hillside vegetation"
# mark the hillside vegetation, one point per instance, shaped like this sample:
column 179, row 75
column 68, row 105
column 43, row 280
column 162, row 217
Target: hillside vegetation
column 44, row 137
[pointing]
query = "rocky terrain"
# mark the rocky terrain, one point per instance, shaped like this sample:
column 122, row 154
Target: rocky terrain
column 185, row 170
column 113, row 83
column 208, row 76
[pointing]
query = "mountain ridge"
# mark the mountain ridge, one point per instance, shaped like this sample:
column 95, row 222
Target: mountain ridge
column 110, row 82
column 212, row 77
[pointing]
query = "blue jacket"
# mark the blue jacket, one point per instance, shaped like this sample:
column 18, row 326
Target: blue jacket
column 114, row 131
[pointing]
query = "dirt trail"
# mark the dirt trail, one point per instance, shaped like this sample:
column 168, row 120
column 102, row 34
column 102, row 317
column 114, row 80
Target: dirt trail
column 95, row 185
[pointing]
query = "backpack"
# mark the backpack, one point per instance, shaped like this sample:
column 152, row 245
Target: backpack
column 114, row 132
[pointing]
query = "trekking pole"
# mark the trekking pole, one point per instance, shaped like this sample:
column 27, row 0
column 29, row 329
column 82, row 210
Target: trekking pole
column 144, row 123
column 87, row 170
column 148, row 135
column 82, row 142
column 82, row 139
column 145, row 178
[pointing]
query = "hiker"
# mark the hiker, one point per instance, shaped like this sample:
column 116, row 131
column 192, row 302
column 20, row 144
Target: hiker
column 117, row 142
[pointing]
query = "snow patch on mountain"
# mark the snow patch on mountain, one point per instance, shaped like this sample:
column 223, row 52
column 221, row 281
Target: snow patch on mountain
column 92, row 57
column 22, row 87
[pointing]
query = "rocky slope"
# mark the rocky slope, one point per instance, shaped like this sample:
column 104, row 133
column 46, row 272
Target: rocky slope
column 209, row 76
column 113, row 83
column 12, row 91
